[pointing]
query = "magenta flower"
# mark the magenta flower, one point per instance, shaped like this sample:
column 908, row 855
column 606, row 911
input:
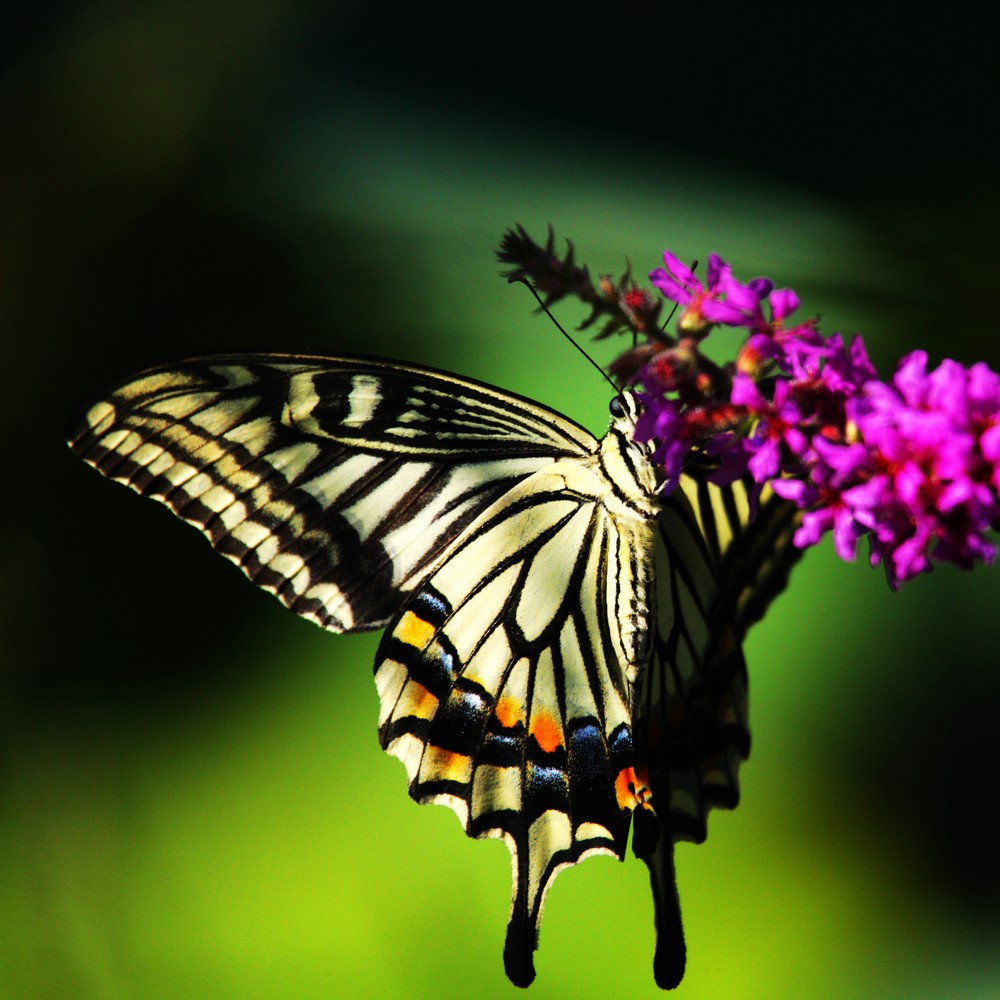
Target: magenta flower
column 778, row 433
column 924, row 432
column 723, row 300
column 824, row 510
column 783, row 303
column 912, row 464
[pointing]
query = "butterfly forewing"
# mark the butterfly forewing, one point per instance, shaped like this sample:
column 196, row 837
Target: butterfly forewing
column 335, row 484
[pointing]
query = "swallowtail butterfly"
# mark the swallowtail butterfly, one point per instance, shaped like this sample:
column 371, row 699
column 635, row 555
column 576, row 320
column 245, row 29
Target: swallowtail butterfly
column 562, row 641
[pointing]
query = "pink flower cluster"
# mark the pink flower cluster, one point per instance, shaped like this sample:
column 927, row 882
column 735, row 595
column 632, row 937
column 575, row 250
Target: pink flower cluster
column 912, row 464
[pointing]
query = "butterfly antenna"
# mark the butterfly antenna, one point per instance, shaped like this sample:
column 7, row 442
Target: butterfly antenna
column 548, row 312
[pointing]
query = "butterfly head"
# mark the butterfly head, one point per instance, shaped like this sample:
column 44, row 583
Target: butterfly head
column 625, row 407
column 619, row 445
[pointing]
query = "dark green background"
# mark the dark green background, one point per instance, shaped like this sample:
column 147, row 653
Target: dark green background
column 193, row 799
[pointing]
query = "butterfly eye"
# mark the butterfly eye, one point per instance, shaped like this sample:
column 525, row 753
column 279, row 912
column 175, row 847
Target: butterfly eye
column 625, row 405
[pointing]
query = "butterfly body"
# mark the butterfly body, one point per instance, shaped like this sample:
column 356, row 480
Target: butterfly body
column 561, row 645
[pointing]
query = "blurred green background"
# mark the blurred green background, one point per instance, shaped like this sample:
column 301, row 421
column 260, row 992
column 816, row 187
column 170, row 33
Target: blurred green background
column 193, row 799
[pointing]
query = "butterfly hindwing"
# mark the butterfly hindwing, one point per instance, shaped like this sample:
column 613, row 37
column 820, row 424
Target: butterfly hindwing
column 505, row 690
column 722, row 554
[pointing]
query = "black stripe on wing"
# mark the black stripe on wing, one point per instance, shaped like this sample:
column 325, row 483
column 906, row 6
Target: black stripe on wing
column 383, row 405
column 749, row 539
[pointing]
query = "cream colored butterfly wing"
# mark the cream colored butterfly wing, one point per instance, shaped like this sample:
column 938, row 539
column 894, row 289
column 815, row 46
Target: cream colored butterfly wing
column 562, row 646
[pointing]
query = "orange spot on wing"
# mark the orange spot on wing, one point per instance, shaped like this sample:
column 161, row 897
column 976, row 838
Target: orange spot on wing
column 414, row 631
column 508, row 712
column 445, row 765
column 546, row 731
column 415, row 700
column 632, row 789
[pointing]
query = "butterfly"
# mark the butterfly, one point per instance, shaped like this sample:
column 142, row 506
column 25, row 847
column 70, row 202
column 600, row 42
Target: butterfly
column 561, row 655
